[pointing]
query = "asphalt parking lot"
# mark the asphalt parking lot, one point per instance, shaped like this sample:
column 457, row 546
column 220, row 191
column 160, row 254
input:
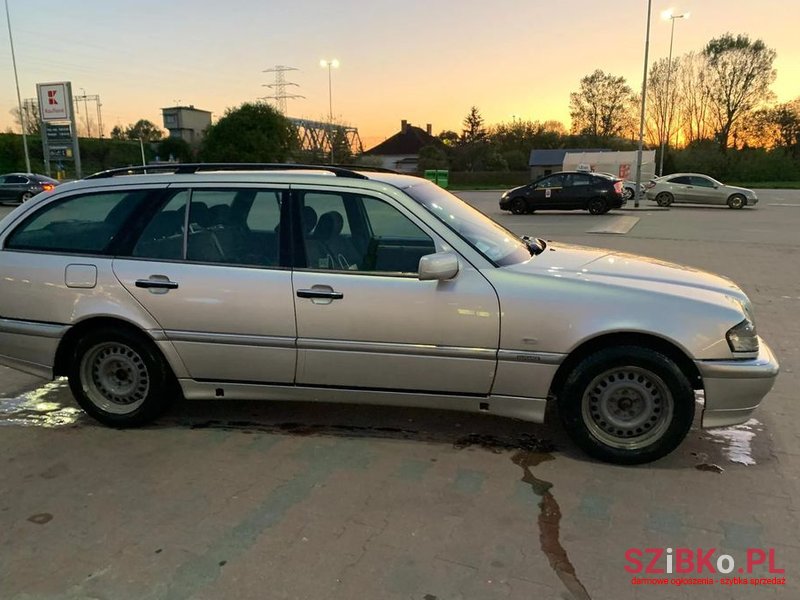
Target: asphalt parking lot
column 279, row 500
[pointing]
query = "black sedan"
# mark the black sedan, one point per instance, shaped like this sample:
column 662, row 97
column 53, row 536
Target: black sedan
column 568, row 190
column 21, row 187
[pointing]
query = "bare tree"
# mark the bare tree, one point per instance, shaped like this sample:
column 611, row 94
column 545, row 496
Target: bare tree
column 739, row 75
column 693, row 92
column 662, row 101
column 602, row 105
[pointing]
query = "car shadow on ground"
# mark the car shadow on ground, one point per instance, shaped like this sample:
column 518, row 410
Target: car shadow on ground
column 52, row 406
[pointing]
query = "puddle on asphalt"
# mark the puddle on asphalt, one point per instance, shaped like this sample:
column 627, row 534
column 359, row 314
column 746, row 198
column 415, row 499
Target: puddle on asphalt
column 550, row 523
column 737, row 441
column 39, row 408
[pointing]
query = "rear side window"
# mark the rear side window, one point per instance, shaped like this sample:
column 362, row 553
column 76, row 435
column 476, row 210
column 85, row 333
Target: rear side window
column 683, row 180
column 85, row 224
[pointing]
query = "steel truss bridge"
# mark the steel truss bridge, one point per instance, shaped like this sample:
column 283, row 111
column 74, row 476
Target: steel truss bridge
column 317, row 136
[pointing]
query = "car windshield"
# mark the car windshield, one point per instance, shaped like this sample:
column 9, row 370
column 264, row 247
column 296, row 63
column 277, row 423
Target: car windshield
column 491, row 239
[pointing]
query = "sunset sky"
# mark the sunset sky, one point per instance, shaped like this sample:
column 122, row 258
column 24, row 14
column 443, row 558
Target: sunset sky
column 427, row 62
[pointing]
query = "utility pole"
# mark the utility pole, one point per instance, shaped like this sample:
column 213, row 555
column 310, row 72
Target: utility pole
column 638, row 191
column 278, row 88
column 22, row 120
column 667, row 114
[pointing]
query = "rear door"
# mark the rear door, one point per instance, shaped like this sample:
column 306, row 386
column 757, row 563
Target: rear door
column 365, row 320
column 208, row 265
column 681, row 188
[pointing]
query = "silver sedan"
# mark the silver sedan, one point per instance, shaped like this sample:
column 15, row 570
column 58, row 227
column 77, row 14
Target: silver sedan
column 694, row 188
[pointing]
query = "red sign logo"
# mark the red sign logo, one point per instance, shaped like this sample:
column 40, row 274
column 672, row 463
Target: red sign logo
column 51, row 97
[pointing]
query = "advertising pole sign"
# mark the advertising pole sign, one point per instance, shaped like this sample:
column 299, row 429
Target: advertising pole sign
column 59, row 131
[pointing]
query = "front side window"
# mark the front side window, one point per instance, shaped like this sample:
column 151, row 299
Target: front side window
column 554, row 181
column 84, row 224
column 492, row 240
column 702, row 182
column 350, row 232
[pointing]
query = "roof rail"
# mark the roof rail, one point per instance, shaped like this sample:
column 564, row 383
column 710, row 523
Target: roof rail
column 185, row 168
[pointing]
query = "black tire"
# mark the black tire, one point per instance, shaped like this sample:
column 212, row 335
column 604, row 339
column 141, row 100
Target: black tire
column 627, row 405
column 737, row 201
column 664, row 199
column 597, row 206
column 519, row 206
column 120, row 378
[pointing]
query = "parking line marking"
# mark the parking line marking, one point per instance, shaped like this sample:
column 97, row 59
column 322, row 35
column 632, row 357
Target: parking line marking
column 615, row 225
column 783, row 204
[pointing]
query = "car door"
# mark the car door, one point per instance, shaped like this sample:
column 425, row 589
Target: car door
column 706, row 191
column 365, row 320
column 681, row 188
column 4, row 197
column 208, row 266
column 578, row 189
column 548, row 192
column 13, row 187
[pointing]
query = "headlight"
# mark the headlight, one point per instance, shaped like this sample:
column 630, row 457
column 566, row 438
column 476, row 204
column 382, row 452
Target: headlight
column 743, row 337
column 505, row 195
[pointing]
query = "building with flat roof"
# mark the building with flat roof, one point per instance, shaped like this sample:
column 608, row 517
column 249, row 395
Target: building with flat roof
column 186, row 122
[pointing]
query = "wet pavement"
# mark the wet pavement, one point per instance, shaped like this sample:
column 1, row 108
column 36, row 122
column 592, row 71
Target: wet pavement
column 236, row 499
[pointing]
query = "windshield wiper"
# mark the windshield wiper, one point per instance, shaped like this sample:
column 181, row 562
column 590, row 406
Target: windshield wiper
column 535, row 245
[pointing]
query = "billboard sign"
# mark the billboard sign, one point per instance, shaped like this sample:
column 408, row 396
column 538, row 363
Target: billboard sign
column 55, row 100
column 58, row 133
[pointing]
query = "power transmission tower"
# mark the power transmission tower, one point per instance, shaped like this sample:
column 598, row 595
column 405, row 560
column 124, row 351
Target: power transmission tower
column 278, row 88
column 86, row 99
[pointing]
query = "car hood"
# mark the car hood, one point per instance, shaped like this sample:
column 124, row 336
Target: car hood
column 611, row 266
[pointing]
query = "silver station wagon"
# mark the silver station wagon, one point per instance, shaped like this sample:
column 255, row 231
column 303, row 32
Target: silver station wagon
column 281, row 282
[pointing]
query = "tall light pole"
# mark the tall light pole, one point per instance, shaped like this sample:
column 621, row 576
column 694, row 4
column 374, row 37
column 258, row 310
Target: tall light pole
column 22, row 119
column 330, row 64
column 667, row 14
column 638, row 191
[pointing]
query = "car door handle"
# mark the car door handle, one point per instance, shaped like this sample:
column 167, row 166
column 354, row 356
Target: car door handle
column 157, row 284
column 318, row 293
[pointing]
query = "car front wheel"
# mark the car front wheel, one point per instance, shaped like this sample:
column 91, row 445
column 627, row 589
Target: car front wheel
column 120, row 378
column 519, row 206
column 736, row 201
column 627, row 405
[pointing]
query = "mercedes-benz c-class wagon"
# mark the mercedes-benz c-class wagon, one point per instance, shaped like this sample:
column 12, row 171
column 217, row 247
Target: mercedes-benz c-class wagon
column 327, row 284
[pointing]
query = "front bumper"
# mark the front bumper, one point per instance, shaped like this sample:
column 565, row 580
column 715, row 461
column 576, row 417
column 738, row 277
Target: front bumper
column 735, row 388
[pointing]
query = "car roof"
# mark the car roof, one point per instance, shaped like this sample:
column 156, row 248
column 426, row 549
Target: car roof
column 291, row 176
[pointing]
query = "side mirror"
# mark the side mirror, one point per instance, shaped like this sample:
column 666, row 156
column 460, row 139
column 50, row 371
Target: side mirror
column 439, row 266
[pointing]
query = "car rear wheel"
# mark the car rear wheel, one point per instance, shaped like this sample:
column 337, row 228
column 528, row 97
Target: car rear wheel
column 627, row 194
column 627, row 405
column 736, row 201
column 664, row 199
column 519, row 206
column 598, row 206
column 25, row 197
column 120, row 378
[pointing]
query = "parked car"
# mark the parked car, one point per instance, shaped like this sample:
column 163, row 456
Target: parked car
column 327, row 284
column 693, row 188
column 21, row 187
column 568, row 190
column 628, row 187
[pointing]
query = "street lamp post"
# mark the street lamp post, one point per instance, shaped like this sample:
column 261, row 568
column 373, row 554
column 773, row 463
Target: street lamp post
column 638, row 191
column 22, row 119
column 330, row 64
column 667, row 115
